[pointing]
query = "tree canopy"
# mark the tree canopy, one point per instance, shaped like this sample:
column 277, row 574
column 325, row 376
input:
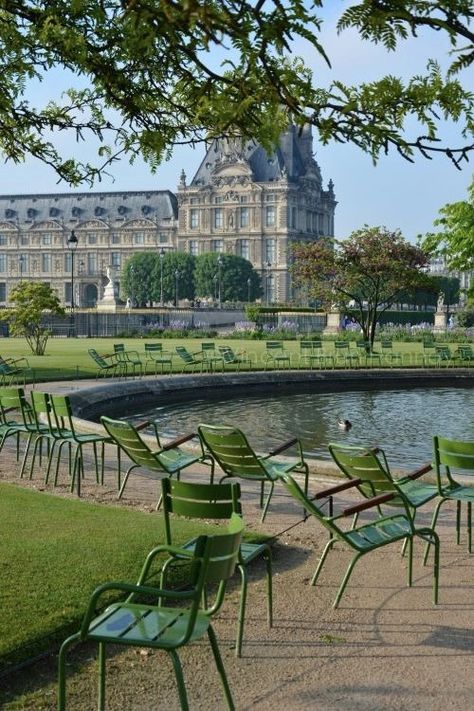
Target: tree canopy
column 362, row 276
column 141, row 277
column 148, row 75
column 238, row 279
column 455, row 238
column 31, row 302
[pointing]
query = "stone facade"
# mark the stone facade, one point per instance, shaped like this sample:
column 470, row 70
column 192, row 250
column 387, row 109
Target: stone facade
column 241, row 201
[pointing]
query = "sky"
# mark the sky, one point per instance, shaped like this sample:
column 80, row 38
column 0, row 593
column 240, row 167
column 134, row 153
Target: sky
column 394, row 193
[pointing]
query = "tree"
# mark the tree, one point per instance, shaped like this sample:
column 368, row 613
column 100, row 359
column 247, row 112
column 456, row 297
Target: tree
column 455, row 239
column 239, row 280
column 144, row 77
column 138, row 278
column 175, row 262
column 32, row 301
column 363, row 275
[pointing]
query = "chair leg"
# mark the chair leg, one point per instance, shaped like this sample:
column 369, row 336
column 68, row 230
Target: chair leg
column 409, row 541
column 346, row 579
column 326, row 550
column 268, row 561
column 241, row 619
column 183, row 698
column 125, row 479
column 458, row 522
column 101, row 688
column 220, row 668
column 62, row 671
column 432, row 527
column 469, row 522
column 272, row 486
column 432, row 538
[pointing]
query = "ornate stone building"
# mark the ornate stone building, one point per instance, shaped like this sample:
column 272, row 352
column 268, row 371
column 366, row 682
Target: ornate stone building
column 241, row 201
column 245, row 202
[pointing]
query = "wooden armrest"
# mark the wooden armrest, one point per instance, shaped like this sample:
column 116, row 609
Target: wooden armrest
column 282, row 447
column 368, row 504
column 419, row 472
column 177, row 442
column 142, row 425
column 336, row 489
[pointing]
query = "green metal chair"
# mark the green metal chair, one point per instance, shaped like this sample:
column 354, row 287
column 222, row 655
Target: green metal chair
column 311, row 353
column 130, row 360
column 390, row 356
column 156, row 356
column 168, row 459
column 276, row 355
column 41, row 431
column 344, row 357
column 231, row 358
column 450, row 456
column 189, row 359
column 140, row 622
column 368, row 537
column 13, row 401
column 108, row 363
column 65, row 433
column 211, row 357
column 231, row 450
column 465, row 354
column 15, row 370
column 215, row 502
column 441, row 356
column 367, row 356
column 370, row 467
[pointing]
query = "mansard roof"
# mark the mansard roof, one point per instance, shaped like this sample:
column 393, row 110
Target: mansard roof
column 291, row 160
column 156, row 205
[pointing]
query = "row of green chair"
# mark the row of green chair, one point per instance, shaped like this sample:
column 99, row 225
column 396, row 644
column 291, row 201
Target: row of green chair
column 15, row 371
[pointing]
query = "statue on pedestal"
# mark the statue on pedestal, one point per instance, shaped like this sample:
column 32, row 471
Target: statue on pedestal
column 440, row 303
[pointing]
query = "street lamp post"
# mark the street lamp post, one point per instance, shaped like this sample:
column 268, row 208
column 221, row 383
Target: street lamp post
column 249, row 284
column 21, row 264
column 162, row 256
column 219, row 277
column 72, row 245
column 267, row 281
column 214, row 279
column 176, row 286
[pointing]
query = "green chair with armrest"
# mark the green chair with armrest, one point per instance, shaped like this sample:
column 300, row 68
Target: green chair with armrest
column 231, row 450
column 161, row 618
column 366, row 538
column 213, row 502
column 168, row 459
column 107, row 363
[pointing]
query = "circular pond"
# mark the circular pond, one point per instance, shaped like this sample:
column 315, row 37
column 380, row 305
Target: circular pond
column 403, row 422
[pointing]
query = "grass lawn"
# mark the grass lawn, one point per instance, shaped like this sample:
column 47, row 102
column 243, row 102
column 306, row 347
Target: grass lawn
column 68, row 358
column 55, row 551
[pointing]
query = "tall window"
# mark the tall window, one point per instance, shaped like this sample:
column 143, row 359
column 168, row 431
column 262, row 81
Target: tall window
column 91, row 263
column 46, row 239
column 164, row 239
column 116, row 259
column 194, row 218
column 92, row 238
column 3, row 239
column 293, row 217
column 45, row 263
column 67, row 292
column 138, row 238
column 194, row 247
column 218, row 218
column 270, row 251
column 244, row 217
column 24, row 240
column 270, row 215
column 3, row 262
column 67, row 262
column 308, row 221
column 217, row 245
column 244, row 248
column 3, row 291
column 115, row 238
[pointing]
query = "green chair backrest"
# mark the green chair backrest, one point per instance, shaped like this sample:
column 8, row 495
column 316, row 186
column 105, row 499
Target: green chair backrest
column 443, row 352
column 453, row 454
column 312, row 507
column 129, row 440
column 41, row 410
column 386, row 344
column 153, row 348
column 14, row 399
column 119, row 347
column 185, row 354
column 466, row 351
column 227, row 354
column 6, row 368
column 231, row 450
column 202, row 501
column 208, row 346
column 100, row 360
column 341, row 345
column 274, row 345
column 62, row 412
column 222, row 553
column 370, row 465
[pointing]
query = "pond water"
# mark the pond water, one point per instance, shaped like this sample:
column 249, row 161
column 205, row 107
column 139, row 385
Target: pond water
column 402, row 422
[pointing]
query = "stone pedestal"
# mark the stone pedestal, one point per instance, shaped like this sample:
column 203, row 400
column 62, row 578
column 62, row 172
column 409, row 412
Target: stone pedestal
column 440, row 321
column 333, row 323
column 109, row 300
